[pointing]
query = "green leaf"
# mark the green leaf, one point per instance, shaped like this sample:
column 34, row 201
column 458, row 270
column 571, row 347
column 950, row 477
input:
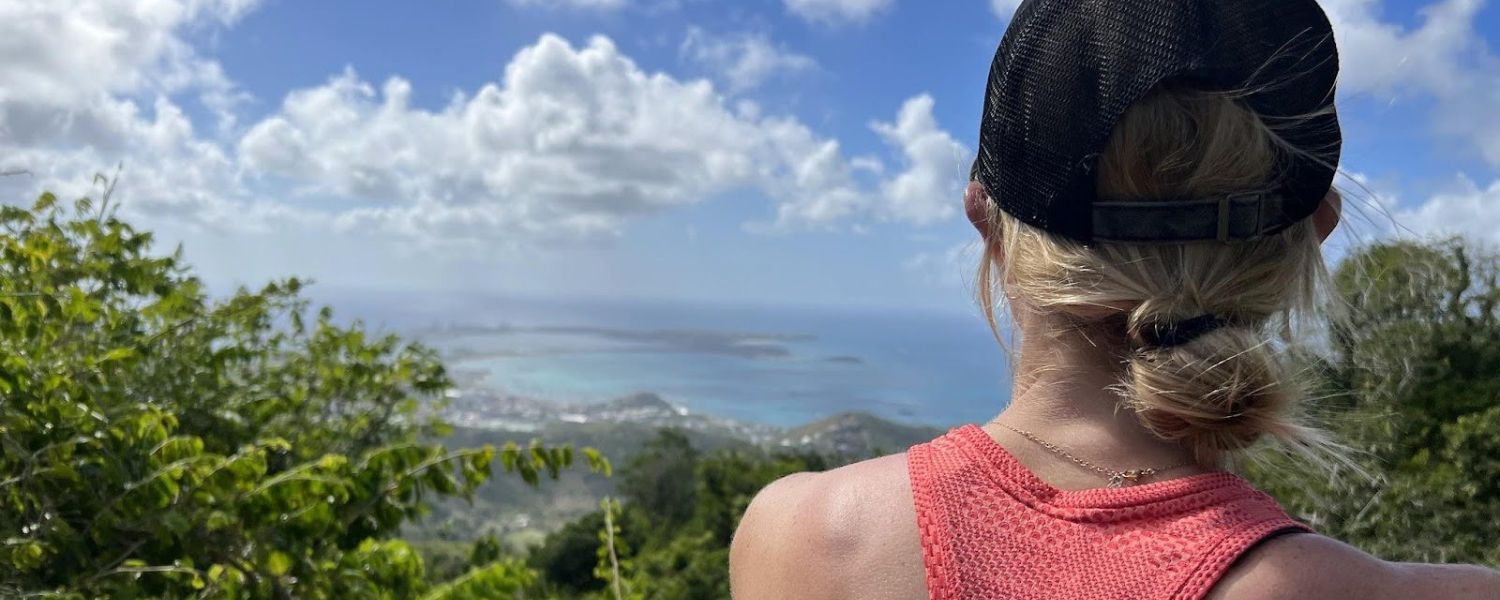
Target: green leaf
column 118, row 354
column 278, row 563
column 44, row 202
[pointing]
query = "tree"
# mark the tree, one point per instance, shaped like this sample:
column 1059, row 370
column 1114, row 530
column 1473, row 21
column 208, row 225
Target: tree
column 1415, row 387
column 485, row 551
column 155, row 442
column 566, row 559
column 659, row 479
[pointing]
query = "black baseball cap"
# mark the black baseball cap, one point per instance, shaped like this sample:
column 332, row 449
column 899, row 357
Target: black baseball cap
column 1067, row 70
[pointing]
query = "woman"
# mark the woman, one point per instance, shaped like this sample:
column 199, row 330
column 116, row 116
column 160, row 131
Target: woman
column 1152, row 188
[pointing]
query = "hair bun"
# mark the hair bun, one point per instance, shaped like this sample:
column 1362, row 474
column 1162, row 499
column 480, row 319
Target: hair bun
column 1215, row 397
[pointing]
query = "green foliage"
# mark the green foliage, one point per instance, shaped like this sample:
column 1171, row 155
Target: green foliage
column 686, row 560
column 485, row 551
column 377, row 569
column 1415, row 386
column 690, row 566
column 522, row 516
column 566, row 559
column 444, row 560
column 659, row 479
column 508, row 578
column 537, row 459
column 155, row 442
column 614, row 564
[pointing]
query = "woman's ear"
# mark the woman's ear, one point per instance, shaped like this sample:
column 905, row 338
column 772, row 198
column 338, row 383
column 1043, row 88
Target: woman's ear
column 977, row 208
column 1327, row 217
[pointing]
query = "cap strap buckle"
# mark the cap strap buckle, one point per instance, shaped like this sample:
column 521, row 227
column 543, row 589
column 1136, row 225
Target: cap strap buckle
column 1230, row 218
column 1258, row 200
column 1225, row 203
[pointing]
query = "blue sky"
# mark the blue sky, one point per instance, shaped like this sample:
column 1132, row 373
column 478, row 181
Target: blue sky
column 760, row 151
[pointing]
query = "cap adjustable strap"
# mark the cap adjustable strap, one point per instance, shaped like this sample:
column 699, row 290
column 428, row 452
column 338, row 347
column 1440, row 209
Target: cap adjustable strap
column 1230, row 218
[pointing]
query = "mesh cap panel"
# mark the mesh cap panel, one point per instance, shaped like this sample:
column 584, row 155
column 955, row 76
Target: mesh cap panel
column 1067, row 70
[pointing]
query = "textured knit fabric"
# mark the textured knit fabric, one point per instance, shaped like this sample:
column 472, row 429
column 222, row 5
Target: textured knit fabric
column 1066, row 70
column 992, row 529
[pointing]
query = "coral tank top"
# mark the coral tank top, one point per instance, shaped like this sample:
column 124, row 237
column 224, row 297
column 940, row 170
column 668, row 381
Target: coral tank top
column 992, row 529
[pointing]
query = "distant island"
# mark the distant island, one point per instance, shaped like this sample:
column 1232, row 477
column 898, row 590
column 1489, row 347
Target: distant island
column 848, row 433
column 612, row 339
column 619, row 428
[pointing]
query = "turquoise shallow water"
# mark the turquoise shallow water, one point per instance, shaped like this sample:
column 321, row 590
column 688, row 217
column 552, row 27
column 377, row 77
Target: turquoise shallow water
column 782, row 366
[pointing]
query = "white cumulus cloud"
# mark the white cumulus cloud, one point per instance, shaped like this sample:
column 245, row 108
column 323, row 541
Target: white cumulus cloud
column 929, row 189
column 67, row 53
column 1386, row 58
column 743, row 61
column 1444, row 58
column 1004, row 8
column 1470, row 210
column 835, row 12
column 573, row 142
column 87, row 85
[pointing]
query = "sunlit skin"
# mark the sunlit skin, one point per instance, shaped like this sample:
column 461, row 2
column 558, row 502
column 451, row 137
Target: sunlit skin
column 851, row 533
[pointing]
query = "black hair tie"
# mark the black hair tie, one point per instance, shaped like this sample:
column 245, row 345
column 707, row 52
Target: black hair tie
column 1171, row 334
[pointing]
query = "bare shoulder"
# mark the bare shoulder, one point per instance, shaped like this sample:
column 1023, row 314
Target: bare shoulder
column 807, row 534
column 1313, row 566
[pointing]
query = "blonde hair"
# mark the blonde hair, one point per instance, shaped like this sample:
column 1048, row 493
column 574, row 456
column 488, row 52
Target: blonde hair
column 1222, row 391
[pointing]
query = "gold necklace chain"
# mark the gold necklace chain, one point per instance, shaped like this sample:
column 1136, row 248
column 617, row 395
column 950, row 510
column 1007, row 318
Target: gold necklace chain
column 1114, row 478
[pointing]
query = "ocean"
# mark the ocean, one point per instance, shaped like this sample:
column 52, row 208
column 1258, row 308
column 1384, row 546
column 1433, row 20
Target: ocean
column 782, row 366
